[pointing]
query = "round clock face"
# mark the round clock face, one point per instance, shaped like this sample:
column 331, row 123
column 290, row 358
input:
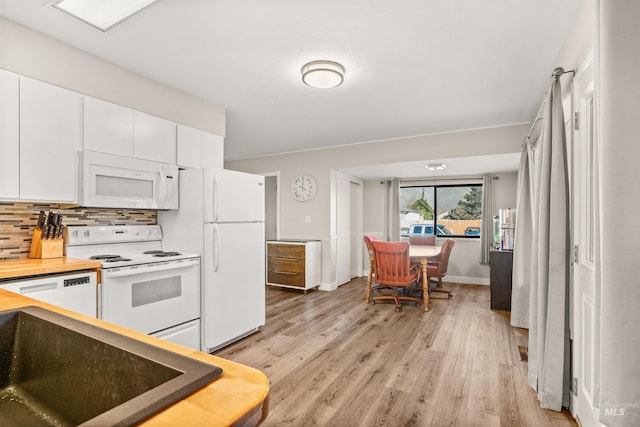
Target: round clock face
column 303, row 187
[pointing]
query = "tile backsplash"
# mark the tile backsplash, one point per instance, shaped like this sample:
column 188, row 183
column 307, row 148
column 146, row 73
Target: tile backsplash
column 18, row 220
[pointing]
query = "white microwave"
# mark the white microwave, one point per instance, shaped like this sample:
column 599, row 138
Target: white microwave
column 110, row 181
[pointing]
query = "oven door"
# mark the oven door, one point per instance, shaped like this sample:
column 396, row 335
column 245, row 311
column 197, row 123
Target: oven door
column 151, row 297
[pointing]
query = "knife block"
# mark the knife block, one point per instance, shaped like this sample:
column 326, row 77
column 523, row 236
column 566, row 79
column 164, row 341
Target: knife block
column 44, row 248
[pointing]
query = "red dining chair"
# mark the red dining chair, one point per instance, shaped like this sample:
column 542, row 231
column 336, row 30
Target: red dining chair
column 437, row 268
column 425, row 240
column 368, row 241
column 392, row 269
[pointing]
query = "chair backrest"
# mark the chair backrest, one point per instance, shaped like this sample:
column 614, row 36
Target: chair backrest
column 425, row 240
column 368, row 241
column 392, row 263
column 444, row 256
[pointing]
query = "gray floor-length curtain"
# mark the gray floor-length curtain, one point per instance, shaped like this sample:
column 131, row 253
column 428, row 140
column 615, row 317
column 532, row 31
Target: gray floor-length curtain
column 392, row 212
column 549, row 357
column 486, row 237
column 521, row 281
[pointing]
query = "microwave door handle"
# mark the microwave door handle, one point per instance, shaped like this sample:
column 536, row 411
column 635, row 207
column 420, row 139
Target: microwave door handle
column 163, row 186
column 216, row 249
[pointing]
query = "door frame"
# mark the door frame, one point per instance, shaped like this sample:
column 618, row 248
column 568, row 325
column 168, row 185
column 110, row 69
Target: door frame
column 277, row 175
column 585, row 324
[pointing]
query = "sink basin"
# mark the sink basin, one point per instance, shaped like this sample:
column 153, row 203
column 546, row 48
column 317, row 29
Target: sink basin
column 60, row 371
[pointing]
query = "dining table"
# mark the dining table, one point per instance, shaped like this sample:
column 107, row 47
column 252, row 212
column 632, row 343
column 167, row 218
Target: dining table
column 423, row 253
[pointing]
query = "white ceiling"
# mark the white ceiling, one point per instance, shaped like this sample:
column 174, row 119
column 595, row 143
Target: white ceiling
column 412, row 67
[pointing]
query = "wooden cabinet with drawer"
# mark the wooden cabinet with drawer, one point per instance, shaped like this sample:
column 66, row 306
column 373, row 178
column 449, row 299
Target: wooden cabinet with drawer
column 293, row 263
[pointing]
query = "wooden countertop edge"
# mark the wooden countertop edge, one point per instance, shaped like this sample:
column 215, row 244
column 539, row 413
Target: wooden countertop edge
column 34, row 266
column 238, row 397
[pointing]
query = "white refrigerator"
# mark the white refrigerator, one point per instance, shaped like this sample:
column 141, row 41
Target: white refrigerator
column 221, row 216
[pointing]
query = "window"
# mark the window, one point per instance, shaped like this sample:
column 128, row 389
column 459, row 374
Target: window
column 454, row 210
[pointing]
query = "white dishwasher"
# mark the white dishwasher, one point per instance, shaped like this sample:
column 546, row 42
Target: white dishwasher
column 76, row 291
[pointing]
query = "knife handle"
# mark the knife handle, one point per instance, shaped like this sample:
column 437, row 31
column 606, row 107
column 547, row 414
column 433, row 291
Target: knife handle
column 41, row 219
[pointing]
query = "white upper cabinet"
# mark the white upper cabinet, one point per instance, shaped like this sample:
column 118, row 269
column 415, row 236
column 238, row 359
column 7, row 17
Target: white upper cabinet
column 189, row 147
column 212, row 150
column 114, row 129
column 108, row 127
column 9, row 136
column 154, row 138
column 198, row 149
column 50, row 136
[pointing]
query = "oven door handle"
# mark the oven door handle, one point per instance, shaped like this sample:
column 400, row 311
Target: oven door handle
column 145, row 268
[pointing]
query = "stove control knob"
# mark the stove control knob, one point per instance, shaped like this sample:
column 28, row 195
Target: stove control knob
column 87, row 233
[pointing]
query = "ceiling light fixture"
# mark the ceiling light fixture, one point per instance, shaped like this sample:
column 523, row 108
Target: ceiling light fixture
column 322, row 74
column 102, row 14
column 436, row 166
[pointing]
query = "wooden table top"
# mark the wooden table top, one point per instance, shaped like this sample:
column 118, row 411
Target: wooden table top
column 238, row 397
column 424, row 251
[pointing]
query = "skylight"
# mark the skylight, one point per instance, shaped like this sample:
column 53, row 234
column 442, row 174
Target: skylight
column 102, row 14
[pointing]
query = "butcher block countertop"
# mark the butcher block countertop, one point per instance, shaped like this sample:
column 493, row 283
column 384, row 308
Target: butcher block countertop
column 238, row 397
column 34, row 266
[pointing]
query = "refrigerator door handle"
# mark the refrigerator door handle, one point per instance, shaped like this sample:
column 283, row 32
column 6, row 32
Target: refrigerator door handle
column 216, row 247
column 214, row 200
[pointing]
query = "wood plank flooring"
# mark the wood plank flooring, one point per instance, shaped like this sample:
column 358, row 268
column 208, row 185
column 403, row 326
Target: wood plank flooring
column 333, row 360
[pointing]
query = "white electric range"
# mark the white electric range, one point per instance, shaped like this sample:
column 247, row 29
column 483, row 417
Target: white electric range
column 143, row 286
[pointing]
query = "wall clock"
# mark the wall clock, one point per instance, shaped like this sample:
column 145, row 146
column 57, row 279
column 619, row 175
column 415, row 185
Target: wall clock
column 303, row 187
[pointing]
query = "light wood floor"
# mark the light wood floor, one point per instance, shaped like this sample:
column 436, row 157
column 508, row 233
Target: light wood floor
column 333, row 360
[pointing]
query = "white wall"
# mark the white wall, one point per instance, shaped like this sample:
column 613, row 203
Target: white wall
column 620, row 82
column 322, row 164
column 36, row 55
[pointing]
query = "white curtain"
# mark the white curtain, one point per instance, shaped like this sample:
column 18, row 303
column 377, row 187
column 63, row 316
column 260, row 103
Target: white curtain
column 523, row 242
column 486, row 237
column 549, row 361
column 392, row 213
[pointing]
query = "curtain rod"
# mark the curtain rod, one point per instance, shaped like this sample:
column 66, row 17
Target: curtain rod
column 555, row 75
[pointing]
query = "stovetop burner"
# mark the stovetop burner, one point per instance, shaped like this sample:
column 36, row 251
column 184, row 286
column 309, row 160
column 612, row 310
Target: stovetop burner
column 159, row 253
column 104, row 257
column 110, row 258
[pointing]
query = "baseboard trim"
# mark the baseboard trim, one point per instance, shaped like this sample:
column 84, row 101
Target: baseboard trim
column 328, row 286
column 466, row 280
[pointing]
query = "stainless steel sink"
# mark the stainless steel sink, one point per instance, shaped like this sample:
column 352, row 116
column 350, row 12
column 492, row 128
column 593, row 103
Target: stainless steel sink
column 59, row 371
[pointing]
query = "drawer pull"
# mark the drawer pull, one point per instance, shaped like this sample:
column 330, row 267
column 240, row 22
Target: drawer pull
column 281, row 258
column 284, row 272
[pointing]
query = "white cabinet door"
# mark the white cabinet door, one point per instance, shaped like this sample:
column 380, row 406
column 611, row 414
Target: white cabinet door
column 108, row 128
column 50, row 132
column 9, row 136
column 154, row 138
column 212, row 150
column 189, row 147
column 198, row 149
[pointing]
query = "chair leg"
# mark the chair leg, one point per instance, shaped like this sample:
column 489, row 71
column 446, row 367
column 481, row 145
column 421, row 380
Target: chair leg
column 396, row 300
column 439, row 288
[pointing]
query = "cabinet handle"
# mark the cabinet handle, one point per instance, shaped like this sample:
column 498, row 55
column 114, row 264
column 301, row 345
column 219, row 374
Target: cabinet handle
column 285, row 258
column 285, row 272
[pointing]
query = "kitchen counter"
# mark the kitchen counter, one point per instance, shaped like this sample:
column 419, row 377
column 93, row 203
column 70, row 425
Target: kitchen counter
column 238, row 397
column 33, row 266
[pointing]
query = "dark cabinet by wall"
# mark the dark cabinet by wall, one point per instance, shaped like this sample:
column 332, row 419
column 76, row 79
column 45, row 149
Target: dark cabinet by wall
column 501, row 268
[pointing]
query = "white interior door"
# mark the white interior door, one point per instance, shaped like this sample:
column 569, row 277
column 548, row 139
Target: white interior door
column 586, row 302
column 343, row 230
column 355, row 194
